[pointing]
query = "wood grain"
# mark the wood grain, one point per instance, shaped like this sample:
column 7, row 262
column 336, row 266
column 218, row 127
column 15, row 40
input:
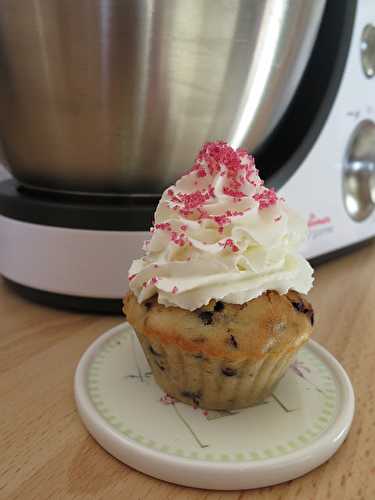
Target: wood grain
column 46, row 453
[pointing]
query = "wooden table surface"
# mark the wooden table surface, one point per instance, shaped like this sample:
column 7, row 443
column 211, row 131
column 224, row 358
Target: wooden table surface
column 46, row 453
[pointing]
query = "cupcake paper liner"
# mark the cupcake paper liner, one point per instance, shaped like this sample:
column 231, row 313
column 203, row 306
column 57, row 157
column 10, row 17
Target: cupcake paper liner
column 214, row 383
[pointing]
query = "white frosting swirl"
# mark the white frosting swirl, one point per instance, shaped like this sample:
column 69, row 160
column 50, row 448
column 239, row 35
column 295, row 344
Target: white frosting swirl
column 220, row 234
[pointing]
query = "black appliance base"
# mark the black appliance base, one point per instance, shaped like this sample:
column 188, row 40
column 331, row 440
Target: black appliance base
column 67, row 302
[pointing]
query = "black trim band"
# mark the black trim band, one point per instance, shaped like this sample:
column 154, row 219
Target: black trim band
column 61, row 301
column 340, row 252
column 298, row 130
column 123, row 213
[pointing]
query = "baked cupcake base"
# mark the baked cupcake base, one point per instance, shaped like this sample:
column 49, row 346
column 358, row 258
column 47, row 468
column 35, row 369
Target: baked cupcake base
column 221, row 357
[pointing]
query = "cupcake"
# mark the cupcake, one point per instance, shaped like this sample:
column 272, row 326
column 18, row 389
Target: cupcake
column 217, row 301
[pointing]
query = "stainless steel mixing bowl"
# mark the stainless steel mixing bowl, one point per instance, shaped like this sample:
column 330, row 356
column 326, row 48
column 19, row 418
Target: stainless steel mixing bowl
column 118, row 95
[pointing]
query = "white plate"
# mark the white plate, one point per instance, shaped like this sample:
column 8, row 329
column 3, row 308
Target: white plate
column 298, row 428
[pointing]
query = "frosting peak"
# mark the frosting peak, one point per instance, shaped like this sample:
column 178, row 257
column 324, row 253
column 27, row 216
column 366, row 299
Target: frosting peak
column 219, row 233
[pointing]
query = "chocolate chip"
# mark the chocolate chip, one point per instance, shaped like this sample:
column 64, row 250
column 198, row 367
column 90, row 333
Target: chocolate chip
column 199, row 340
column 219, row 306
column 228, row 372
column 152, row 351
column 298, row 306
column 159, row 365
column 233, row 342
column 206, row 317
column 310, row 314
column 312, row 319
column 194, row 396
column 191, row 395
column 198, row 355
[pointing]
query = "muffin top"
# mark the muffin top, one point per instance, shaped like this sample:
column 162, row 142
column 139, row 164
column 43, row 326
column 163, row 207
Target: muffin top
column 220, row 235
column 270, row 323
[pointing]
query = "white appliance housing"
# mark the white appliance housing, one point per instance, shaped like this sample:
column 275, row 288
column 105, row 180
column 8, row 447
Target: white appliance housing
column 317, row 188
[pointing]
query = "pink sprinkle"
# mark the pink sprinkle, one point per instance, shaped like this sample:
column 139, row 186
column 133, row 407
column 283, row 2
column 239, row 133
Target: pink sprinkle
column 230, row 243
column 167, row 400
column 276, row 219
column 170, row 192
column 179, row 240
column 220, row 158
column 174, row 289
column 191, row 201
column 221, row 220
column 233, row 193
column 163, row 226
column 154, row 280
column 266, row 198
column 205, row 413
column 131, row 277
column 183, row 227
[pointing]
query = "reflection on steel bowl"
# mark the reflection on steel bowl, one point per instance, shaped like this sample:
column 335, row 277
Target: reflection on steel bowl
column 117, row 96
